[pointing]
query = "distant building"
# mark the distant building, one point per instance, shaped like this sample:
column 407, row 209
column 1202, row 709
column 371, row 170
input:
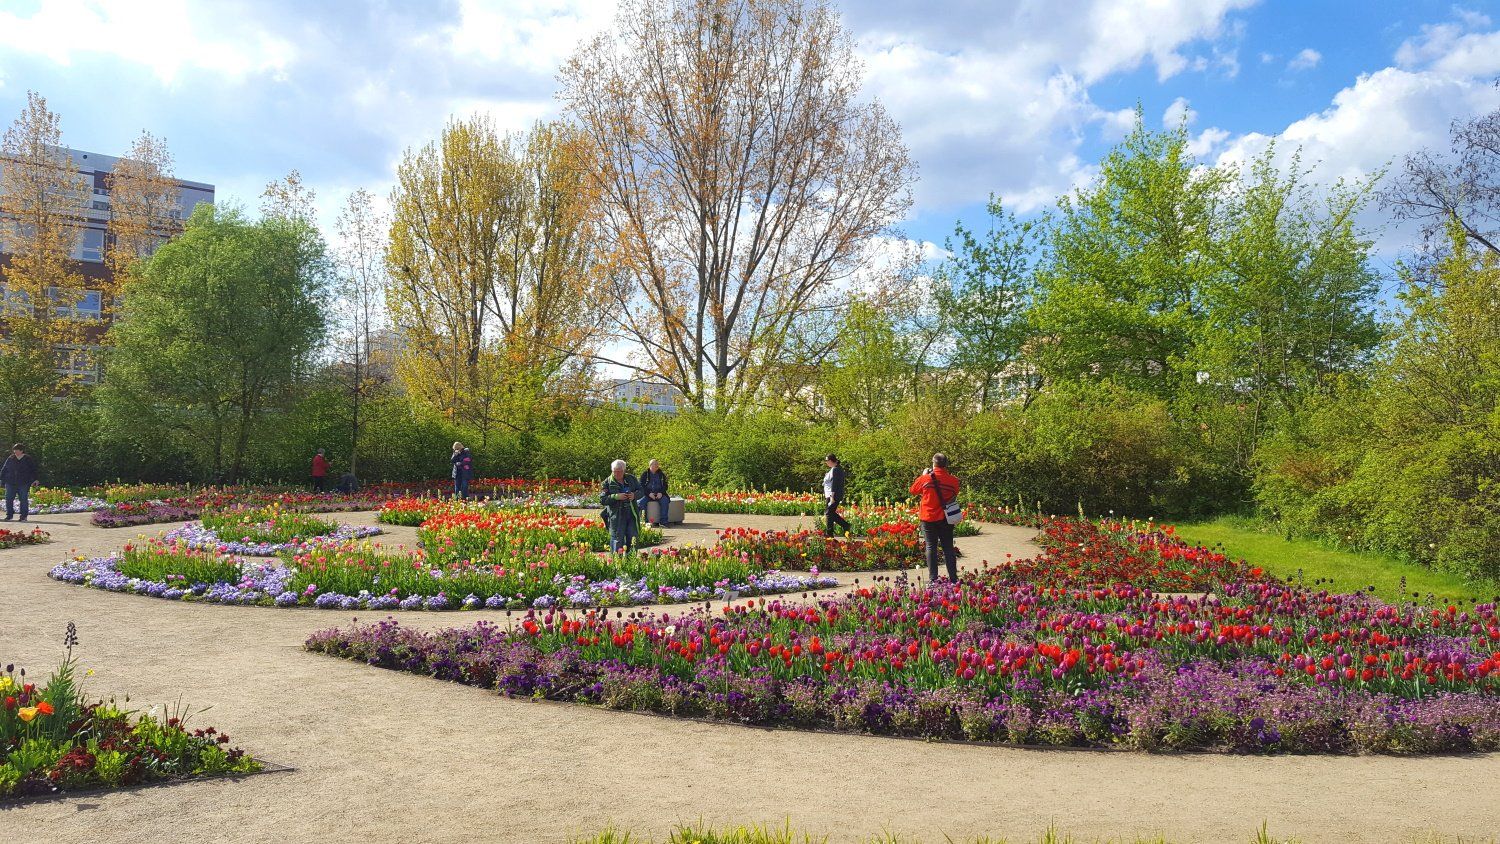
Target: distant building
column 640, row 394
column 79, row 360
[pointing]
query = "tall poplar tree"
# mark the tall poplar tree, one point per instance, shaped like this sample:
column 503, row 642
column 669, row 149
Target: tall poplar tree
column 43, row 203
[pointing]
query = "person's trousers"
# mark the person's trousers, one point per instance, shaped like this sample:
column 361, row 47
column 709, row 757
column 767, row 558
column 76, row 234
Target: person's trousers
column 460, row 487
column 12, row 492
column 939, row 535
column 320, row 483
column 622, row 532
column 831, row 514
column 662, row 503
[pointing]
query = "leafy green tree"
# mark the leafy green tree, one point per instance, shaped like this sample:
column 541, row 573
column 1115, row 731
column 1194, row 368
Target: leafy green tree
column 1291, row 305
column 1121, row 293
column 218, row 327
column 983, row 293
column 1410, row 464
column 868, row 378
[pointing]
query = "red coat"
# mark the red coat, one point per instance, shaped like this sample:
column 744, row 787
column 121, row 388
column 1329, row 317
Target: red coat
column 931, row 510
column 320, row 466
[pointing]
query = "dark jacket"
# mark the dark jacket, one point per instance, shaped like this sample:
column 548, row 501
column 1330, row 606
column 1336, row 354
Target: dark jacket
column 463, row 464
column 838, row 483
column 654, row 481
column 620, row 509
column 19, row 471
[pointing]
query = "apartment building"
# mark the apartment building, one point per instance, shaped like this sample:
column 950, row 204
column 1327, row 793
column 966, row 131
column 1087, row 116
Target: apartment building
column 94, row 169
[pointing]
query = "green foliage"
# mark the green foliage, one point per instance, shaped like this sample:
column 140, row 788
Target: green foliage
column 1408, row 464
column 1098, row 445
column 217, row 327
column 1317, row 562
column 983, row 293
column 1120, row 296
column 867, row 380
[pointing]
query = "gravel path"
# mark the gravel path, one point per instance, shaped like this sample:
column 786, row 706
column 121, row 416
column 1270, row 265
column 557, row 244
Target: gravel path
column 387, row 757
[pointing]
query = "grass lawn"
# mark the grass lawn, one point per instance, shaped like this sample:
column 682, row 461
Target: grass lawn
column 1349, row 571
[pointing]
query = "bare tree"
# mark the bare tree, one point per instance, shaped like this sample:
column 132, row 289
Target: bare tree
column 740, row 176
column 1462, row 187
column 143, row 194
column 359, row 302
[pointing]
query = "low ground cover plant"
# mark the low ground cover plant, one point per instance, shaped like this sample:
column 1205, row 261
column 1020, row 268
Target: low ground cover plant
column 53, row 739
column 14, row 538
column 1075, row 648
column 885, row 547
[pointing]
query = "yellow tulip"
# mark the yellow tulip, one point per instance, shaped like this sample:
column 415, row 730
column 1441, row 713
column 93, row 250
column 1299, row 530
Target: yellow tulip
column 27, row 713
column 6, row 684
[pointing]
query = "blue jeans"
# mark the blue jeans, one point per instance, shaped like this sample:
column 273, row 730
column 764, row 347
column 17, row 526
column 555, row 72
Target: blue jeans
column 11, row 493
column 622, row 531
column 461, row 486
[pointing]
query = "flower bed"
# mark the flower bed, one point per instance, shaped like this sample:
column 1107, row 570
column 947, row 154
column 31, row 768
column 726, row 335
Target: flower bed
column 864, row 518
column 886, row 547
column 756, row 503
column 181, row 509
column 198, row 536
column 1062, row 652
column 482, row 535
column 366, row 577
column 47, row 501
column 13, row 538
column 53, row 740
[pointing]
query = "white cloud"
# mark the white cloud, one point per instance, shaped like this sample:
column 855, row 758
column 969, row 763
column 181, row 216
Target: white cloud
column 1449, row 48
column 1178, row 113
column 1305, row 60
column 536, row 34
column 995, row 97
column 167, row 36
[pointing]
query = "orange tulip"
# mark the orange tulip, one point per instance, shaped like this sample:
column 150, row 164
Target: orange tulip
column 45, row 708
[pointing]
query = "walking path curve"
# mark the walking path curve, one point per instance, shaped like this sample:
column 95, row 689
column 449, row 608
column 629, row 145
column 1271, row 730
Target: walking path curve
column 381, row 756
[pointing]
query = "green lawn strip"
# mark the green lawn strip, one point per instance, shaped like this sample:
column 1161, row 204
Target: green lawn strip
column 1349, row 571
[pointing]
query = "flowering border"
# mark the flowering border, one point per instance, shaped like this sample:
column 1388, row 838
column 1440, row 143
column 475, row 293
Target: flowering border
column 194, row 535
column 268, row 584
column 79, row 504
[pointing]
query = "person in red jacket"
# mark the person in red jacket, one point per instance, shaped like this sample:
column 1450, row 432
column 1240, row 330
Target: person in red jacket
column 937, row 488
column 320, row 472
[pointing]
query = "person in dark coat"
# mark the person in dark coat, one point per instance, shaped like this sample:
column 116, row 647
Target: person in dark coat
column 833, row 495
column 463, row 470
column 348, row 484
column 619, row 495
column 654, row 482
column 18, row 474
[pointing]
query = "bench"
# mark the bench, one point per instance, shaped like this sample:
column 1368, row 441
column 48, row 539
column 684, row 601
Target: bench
column 676, row 510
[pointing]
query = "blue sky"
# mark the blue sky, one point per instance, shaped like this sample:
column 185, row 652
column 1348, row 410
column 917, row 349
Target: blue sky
column 1017, row 98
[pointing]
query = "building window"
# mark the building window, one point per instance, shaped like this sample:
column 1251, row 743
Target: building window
column 91, row 248
column 78, row 363
column 15, row 301
column 76, row 304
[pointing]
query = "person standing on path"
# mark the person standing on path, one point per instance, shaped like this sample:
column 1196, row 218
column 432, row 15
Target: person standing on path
column 937, row 488
column 319, row 472
column 654, row 484
column 18, row 474
column 463, row 470
column 619, row 495
column 833, row 495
